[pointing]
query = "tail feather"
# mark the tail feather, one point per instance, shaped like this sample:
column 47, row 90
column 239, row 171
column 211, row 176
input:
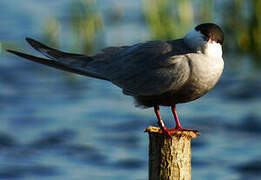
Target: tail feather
column 56, row 60
column 51, row 52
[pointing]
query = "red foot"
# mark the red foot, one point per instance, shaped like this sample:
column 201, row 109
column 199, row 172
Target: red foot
column 183, row 129
column 166, row 131
column 169, row 132
column 178, row 128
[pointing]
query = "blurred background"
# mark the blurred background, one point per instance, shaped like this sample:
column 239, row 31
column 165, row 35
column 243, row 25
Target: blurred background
column 57, row 125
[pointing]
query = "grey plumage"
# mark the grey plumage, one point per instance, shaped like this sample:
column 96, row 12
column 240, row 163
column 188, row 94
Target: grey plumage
column 155, row 73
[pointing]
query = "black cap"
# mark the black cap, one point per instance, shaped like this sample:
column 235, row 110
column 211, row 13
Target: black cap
column 211, row 30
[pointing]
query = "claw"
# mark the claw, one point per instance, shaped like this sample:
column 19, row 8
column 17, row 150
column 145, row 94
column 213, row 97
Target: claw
column 178, row 128
column 166, row 131
column 170, row 132
column 183, row 129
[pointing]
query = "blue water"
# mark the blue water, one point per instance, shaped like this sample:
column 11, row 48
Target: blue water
column 55, row 125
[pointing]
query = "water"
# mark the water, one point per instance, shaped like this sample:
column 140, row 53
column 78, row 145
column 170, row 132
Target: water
column 55, row 125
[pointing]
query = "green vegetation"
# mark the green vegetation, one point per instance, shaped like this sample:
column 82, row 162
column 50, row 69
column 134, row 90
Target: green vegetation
column 52, row 32
column 170, row 19
column 86, row 23
column 242, row 24
column 166, row 19
column 241, row 21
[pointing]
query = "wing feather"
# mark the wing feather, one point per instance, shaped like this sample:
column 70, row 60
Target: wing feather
column 150, row 68
column 56, row 64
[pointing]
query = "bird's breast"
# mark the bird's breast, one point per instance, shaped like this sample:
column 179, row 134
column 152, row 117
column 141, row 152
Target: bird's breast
column 204, row 74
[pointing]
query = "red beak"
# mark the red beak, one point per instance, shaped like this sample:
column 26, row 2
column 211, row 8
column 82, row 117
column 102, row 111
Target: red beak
column 210, row 39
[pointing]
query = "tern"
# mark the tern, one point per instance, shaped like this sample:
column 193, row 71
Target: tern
column 156, row 73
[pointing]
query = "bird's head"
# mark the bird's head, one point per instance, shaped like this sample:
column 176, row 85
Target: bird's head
column 206, row 38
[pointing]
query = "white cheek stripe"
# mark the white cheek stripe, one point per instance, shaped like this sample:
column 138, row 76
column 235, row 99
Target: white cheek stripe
column 194, row 39
column 213, row 49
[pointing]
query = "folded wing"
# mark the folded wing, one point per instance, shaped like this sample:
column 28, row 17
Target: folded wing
column 75, row 63
column 150, row 68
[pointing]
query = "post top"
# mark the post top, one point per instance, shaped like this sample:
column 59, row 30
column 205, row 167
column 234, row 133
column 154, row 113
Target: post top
column 157, row 130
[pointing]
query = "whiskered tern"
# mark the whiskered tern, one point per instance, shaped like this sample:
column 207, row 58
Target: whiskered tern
column 155, row 73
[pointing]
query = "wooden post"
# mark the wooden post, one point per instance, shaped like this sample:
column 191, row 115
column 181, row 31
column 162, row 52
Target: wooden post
column 169, row 157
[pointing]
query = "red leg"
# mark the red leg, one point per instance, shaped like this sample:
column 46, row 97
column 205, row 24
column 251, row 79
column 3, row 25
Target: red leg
column 178, row 125
column 160, row 121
